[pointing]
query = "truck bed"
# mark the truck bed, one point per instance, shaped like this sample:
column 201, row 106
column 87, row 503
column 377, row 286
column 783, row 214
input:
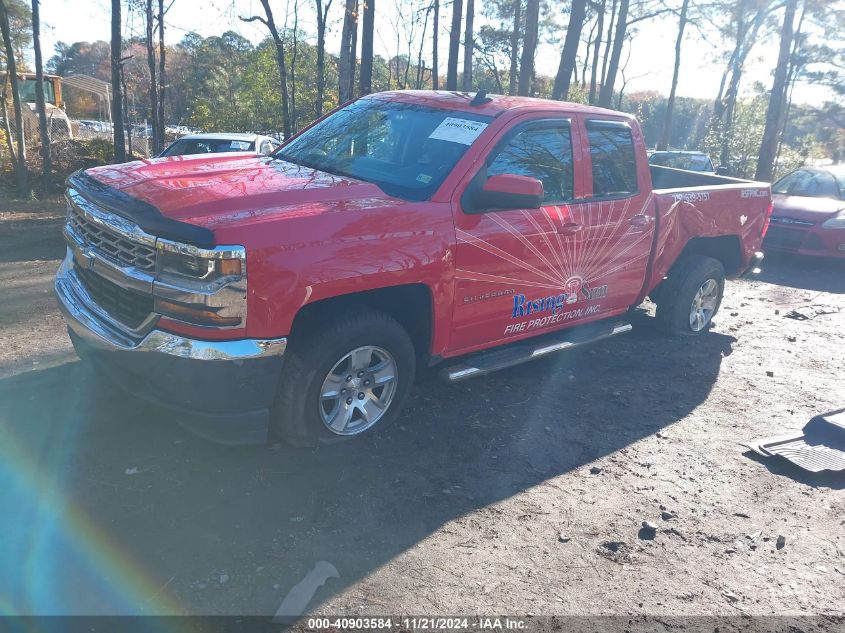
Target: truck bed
column 691, row 206
column 669, row 178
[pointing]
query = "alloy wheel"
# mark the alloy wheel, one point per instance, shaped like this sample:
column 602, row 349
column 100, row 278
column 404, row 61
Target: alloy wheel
column 358, row 390
column 704, row 305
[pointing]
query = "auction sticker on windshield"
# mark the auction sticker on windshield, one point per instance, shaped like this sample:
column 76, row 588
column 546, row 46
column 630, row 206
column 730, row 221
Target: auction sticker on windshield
column 463, row 131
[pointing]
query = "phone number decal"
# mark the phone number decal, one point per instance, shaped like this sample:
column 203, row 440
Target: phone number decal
column 692, row 196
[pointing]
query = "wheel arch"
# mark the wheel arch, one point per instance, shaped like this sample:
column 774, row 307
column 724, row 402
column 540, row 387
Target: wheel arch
column 412, row 305
column 727, row 249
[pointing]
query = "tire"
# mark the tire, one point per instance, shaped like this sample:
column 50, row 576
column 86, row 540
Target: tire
column 317, row 367
column 679, row 293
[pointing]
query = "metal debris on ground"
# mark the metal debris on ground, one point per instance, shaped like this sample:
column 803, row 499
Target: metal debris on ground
column 297, row 599
column 805, row 313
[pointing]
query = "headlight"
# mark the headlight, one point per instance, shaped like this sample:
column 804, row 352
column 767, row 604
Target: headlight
column 190, row 263
column 201, row 286
column 837, row 222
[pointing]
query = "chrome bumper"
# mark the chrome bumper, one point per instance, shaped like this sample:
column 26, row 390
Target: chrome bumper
column 87, row 321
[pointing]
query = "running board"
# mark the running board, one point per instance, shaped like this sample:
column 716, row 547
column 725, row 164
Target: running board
column 486, row 362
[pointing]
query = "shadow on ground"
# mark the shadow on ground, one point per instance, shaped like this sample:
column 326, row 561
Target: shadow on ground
column 141, row 517
column 782, row 467
column 807, row 273
column 32, row 238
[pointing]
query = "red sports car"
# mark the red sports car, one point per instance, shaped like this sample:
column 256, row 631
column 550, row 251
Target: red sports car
column 809, row 212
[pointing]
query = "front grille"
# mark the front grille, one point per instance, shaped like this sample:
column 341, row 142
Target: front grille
column 112, row 246
column 779, row 237
column 790, row 221
column 127, row 306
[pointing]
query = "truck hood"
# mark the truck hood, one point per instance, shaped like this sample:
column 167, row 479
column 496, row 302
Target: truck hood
column 805, row 207
column 228, row 188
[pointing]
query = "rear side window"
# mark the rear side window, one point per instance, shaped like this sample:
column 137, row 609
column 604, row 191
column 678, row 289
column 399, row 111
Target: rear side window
column 544, row 153
column 612, row 155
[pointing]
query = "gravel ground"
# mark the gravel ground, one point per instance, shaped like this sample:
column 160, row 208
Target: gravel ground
column 522, row 492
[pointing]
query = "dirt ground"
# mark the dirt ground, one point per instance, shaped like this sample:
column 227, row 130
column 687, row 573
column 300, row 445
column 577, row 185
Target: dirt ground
column 522, row 492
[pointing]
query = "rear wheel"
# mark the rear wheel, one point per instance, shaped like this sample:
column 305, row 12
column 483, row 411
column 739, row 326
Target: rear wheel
column 690, row 298
column 344, row 377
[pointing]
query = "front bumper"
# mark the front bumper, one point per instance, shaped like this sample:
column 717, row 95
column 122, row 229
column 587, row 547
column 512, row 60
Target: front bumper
column 811, row 241
column 222, row 390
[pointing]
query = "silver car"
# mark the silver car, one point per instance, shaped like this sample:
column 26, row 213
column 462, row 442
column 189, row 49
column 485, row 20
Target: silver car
column 216, row 143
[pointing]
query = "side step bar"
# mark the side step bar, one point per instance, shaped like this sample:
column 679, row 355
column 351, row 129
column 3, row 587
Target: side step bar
column 486, row 362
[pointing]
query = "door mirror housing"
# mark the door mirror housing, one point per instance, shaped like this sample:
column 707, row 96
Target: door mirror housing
column 506, row 191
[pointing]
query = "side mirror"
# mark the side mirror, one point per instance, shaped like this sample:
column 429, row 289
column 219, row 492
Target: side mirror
column 507, row 191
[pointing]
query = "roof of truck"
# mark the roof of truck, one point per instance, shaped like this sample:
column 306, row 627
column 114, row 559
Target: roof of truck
column 497, row 104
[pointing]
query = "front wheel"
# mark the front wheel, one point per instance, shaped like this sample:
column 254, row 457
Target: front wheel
column 348, row 376
column 690, row 298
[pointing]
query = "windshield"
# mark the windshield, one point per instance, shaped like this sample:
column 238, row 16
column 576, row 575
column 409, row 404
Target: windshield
column 26, row 89
column 809, row 183
column 184, row 147
column 407, row 150
column 690, row 162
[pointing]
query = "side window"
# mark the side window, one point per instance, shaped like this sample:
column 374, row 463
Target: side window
column 544, row 153
column 612, row 155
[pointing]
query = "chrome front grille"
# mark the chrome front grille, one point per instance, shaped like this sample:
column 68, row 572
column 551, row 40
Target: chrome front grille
column 129, row 307
column 114, row 247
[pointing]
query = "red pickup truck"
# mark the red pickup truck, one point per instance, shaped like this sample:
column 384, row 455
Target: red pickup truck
column 300, row 292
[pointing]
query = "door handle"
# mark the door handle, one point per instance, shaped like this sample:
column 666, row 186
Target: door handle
column 640, row 220
column 570, row 228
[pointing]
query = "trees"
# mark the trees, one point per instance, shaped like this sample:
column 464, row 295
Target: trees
column 322, row 16
column 81, row 58
column 469, row 45
column 152, row 68
column 594, row 78
column 40, row 104
column 19, row 157
column 346, row 86
column 777, row 99
column 435, row 73
column 667, row 121
column 606, row 92
column 227, row 83
column 529, row 47
column 162, row 82
column 281, row 61
column 454, row 45
column 116, row 88
column 366, row 81
column 514, row 52
column 747, row 18
column 570, row 49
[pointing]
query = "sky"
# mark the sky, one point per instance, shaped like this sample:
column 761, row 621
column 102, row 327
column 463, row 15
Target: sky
column 650, row 66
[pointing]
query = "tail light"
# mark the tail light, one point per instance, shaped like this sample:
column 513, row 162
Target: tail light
column 768, row 217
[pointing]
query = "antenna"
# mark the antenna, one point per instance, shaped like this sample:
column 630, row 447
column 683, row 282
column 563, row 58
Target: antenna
column 480, row 98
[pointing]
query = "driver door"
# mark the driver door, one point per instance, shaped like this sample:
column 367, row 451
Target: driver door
column 516, row 269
